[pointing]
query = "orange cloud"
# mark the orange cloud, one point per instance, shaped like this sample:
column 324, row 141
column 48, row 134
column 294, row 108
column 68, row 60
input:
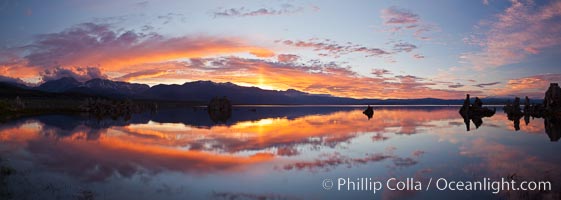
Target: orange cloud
column 532, row 86
column 90, row 44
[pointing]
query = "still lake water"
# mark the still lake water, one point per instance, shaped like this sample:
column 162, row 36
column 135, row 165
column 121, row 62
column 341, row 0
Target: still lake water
column 272, row 153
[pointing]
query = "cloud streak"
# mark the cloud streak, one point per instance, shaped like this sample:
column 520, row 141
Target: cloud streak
column 151, row 73
column 457, row 85
column 404, row 47
column 244, row 12
column 482, row 85
column 330, row 48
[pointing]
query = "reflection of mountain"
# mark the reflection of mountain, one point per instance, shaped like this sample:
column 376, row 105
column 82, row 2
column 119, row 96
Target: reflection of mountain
column 198, row 116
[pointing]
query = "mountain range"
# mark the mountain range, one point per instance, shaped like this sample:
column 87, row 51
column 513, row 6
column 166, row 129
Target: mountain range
column 201, row 91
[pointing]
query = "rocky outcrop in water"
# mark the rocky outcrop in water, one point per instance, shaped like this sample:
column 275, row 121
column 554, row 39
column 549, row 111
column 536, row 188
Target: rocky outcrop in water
column 552, row 99
column 474, row 112
column 550, row 111
column 219, row 109
column 513, row 108
column 475, row 109
column 369, row 112
column 551, row 104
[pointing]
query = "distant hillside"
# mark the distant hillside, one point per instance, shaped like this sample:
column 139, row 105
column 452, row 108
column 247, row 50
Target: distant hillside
column 11, row 91
column 201, row 91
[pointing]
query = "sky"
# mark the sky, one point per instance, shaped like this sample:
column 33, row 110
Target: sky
column 360, row 49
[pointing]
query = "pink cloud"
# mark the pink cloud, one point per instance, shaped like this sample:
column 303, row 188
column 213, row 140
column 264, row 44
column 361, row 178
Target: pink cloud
column 398, row 19
column 521, row 30
column 394, row 15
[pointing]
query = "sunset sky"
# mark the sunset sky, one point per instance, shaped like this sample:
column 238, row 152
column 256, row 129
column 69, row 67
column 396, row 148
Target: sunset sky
column 361, row 49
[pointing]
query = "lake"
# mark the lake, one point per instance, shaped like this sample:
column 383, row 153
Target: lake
column 277, row 152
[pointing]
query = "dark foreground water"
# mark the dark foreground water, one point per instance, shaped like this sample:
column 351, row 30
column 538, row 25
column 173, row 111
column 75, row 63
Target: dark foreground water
column 277, row 153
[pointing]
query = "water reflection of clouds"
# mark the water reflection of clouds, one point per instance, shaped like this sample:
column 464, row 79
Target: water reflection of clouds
column 500, row 159
column 96, row 151
column 534, row 126
column 514, row 162
column 108, row 155
column 328, row 129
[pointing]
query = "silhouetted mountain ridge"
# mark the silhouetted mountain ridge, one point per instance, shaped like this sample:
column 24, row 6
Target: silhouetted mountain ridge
column 203, row 91
column 59, row 85
column 96, row 86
